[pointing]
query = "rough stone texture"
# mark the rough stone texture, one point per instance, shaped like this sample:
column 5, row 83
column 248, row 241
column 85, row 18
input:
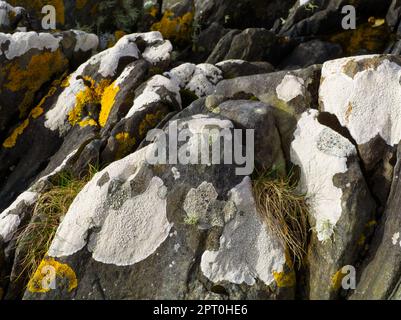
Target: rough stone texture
column 241, row 14
column 371, row 119
column 289, row 92
column 177, row 251
column 75, row 110
column 340, row 202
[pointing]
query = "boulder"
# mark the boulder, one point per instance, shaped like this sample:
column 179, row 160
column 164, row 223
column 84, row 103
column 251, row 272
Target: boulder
column 10, row 16
column 340, row 204
column 370, row 119
column 28, row 61
column 241, row 14
column 310, row 53
column 379, row 276
column 75, row 110
column 289, row 92
column 164, row 231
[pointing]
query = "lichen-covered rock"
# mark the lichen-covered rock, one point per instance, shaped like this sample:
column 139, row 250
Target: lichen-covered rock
column 166, row 231
column 253, row 44
column 371, row 119
column 12, row 221
column 10, row 16
column 29, row 60
column 380, row 273
column 289, row 92
column 75, row 110
column 340, row 202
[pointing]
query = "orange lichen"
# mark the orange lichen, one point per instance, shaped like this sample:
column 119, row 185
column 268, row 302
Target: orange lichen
column 178, row 29
column 48, row 272
column 107, row 103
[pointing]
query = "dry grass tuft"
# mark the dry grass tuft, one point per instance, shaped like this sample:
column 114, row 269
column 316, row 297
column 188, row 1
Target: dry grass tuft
column 284, row 210
column 36, row 237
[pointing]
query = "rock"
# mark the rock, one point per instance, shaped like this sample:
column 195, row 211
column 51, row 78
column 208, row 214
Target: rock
column 28, row 61
column 166, row 240
column 10, row 16
column 241, row 14
column 239, row 68
column 325, row 17
column 369, row 118
column 289, row 92
column 222, row 47
column 205, row 43
column 254, row 45
column 259, row 117
column 340, row 202
column 76, row 110
column 12, row 221
column 393, row 17
column 310, row 53
column 379, row 276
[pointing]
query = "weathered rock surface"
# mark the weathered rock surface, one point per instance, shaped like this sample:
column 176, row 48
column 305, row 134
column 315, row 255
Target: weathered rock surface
column 340, row 202
column 179, row 231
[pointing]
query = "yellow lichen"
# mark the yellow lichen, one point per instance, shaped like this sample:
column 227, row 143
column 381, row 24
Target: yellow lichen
column 31, row 77
column 119, row 34
column 362, row 240
column 48, row 271
column 178, row 29
column 149, row 122
column 336, row 279
column 12, row 139
column 285, row 279
column 125, row 143
column 365, row 37
column 107, row 103
column 91, row 94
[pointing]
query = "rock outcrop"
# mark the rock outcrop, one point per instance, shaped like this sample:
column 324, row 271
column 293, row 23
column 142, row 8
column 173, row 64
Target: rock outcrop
column 135, row 152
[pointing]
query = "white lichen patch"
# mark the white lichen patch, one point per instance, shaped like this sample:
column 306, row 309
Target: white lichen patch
column 110, row 58
column 150, row 93
column 10, row 219
column 248, row 250
column 85, row 41
column 158, row 53
column 395, row 238
column 290, row 87
column 182, row 74
column 134, row 231
column 365, row 102
column 320, row 153
column 19, row 43
column 176, row 173
column 204, row 80
column 125, row 234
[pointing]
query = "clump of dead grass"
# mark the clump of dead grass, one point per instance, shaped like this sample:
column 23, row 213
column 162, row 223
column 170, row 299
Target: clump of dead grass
column 284, row 210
